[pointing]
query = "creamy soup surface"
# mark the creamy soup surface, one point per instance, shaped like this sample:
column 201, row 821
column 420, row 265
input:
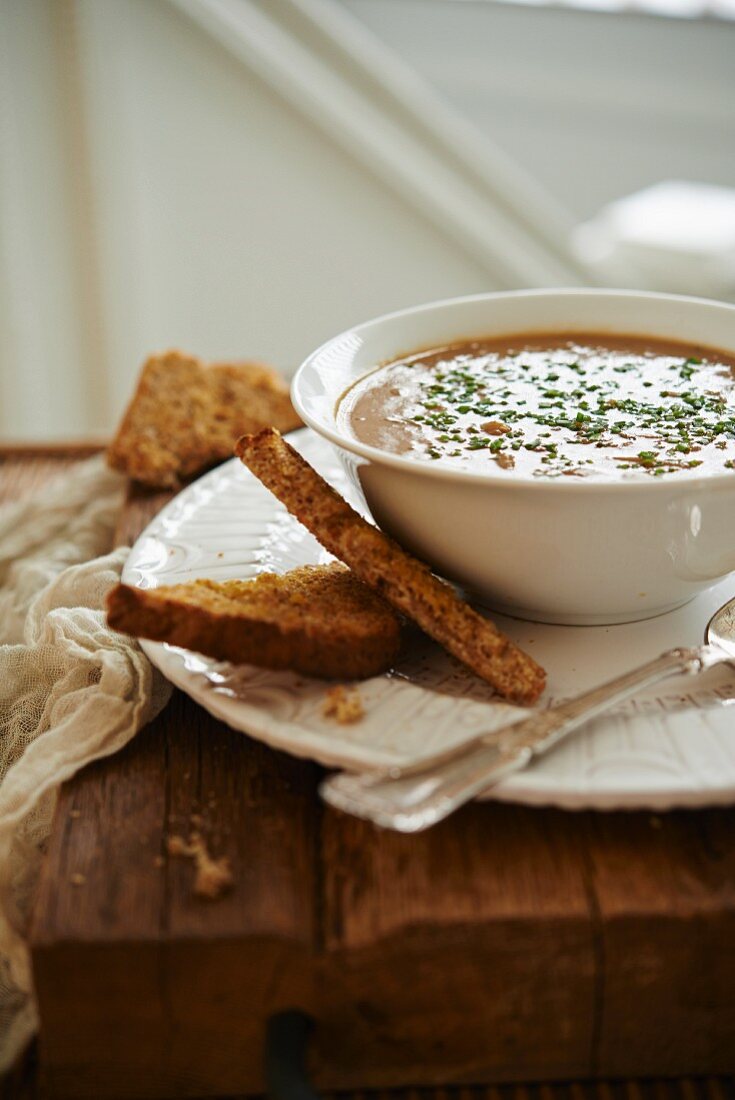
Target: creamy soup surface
column 554, row 405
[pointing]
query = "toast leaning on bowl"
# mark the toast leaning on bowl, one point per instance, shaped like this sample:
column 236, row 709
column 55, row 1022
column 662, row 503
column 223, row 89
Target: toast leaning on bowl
column 186, row 415
column 318, row 620
column 406, row 583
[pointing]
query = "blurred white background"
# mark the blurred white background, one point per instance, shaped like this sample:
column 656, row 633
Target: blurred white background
column 243, row 178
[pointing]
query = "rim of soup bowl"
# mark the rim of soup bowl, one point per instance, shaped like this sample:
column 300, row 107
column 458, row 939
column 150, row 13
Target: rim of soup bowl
column 497, row 479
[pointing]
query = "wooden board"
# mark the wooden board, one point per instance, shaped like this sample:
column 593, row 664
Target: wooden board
column 507, row 944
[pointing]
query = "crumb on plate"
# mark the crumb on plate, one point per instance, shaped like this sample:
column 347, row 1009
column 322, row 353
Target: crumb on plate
column 343, row 704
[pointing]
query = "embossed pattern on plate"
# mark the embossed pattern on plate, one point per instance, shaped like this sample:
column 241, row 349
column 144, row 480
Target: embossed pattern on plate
column 667, row 748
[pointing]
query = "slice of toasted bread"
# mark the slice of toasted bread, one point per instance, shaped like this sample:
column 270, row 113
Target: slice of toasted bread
column 185, row 416
column 380, row 562
column 319, row 620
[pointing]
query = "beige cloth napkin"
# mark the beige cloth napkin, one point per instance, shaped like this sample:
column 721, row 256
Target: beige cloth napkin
column 71, row 691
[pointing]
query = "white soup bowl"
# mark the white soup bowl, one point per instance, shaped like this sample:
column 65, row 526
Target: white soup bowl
column 564, row 550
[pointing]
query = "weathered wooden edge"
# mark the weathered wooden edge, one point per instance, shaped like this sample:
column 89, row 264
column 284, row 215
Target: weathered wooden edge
column 71, row 449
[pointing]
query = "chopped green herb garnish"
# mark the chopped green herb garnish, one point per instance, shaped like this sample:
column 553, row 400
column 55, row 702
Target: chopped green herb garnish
column 572, row 409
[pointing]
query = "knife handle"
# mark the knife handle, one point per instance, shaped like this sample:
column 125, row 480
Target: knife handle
column 429, row 791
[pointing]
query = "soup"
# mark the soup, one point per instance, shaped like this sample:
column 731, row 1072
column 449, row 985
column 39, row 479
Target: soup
column 585, row 405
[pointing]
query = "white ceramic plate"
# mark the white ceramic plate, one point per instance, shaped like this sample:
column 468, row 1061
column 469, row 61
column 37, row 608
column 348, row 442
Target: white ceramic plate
column 673, row 746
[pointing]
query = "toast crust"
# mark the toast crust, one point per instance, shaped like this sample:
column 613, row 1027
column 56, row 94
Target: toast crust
column 317, row 620
column 406, row 583
column 186, row 415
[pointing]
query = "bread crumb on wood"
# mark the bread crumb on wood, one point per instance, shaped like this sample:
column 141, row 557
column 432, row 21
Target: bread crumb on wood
column 177, row 846
column 343, row 704
column 212, row 876
column 75, row 813
column 77, row 880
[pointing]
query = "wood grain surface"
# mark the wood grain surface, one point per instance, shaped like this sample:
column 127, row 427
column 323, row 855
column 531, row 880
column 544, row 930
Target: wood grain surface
column 23, row 1084
column 507, row 944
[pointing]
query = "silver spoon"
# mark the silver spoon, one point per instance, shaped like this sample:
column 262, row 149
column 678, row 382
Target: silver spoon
column 413, row 798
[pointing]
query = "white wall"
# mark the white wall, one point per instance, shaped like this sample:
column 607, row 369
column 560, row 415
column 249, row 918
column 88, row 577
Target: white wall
column 157, row 192
column 228, row 224
column 45, row 332
column 595, row 105
column 159, row 187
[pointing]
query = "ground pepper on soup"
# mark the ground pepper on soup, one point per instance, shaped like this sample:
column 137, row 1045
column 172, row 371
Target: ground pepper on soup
column 551, row 405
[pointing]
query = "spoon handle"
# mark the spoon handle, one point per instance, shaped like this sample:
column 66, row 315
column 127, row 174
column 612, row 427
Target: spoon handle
column 417, row 797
